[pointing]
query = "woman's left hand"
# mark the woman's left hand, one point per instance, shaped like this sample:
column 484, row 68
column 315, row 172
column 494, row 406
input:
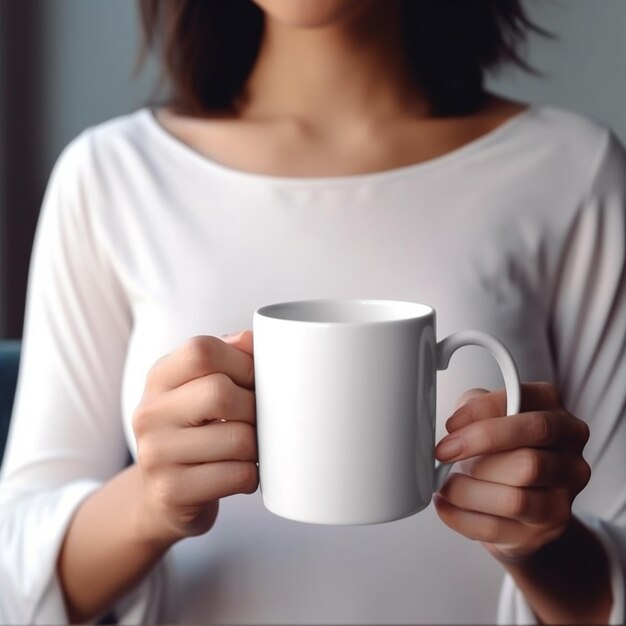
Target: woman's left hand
column 520, row 473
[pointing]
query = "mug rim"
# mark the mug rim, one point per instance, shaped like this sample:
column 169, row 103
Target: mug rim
column 419, row 311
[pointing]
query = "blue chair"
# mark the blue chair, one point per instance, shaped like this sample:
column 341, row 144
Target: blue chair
column 9, row 364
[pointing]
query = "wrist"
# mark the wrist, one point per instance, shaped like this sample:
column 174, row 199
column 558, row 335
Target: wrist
column 152, row 526
column 566, row 543
column 541, row 549
column 146, row 525
column 566, row 580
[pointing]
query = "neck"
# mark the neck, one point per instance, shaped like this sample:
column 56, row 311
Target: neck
column 357, row 68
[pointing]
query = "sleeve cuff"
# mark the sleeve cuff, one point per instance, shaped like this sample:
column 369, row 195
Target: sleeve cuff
column 32, row 528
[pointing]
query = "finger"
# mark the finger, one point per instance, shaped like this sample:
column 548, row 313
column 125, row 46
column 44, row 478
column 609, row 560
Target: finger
column 538, row 429
column 194, row 485
column 468, row 395
column 539, row 396
column 506, row 539
column 479, row 526
column 528, row 505
column 219, row 441
column 198, row 357
column 243, row 340
column 198, row 402
column 530, row 467
column 466, row 412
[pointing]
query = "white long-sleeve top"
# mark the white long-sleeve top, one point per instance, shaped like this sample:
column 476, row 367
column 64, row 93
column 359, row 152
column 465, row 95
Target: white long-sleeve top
column 143, row 243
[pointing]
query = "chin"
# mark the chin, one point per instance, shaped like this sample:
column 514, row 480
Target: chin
column 311, row 13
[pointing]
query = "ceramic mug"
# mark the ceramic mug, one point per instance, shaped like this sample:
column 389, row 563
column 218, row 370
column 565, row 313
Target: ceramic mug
column 345, row 399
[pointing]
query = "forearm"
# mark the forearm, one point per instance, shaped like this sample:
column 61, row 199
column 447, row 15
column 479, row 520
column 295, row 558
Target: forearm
column 567, row 581
column 106, row 550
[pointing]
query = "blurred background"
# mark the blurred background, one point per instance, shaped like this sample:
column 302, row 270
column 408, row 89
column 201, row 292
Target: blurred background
column 69, row 64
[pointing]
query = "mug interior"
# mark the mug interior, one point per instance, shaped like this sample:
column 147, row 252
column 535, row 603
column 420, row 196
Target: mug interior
column 345, row 311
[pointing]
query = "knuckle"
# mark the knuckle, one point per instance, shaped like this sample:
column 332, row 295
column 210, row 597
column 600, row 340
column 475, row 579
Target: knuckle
column 489, row 530
column 245, row 476
column 549, row 393
column 250, row 371
column 559, row 508
column 143, row 417
column 167, row 490
column 585, row 431
column 492, row 407
column 452, row 487
column 489, row 433
column 483, row 406
column 469, row 396
column 530, row 468
column 584, row 473
column 153, row 371
column 242, row 441
column 148, row 455
column 563, row 513
column 515, row 502
column 200, row 352
column 220, row 389
column 539, row 428
column 444, row 492
column 252, row 483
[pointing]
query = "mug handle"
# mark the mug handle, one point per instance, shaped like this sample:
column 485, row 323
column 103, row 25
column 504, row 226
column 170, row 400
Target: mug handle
column 448, row 346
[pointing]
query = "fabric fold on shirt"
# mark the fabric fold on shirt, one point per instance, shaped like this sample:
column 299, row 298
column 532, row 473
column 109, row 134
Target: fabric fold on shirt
column 29, row 556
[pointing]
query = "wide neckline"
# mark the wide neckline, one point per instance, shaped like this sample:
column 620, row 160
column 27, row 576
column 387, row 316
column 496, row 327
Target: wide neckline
column 186, row 151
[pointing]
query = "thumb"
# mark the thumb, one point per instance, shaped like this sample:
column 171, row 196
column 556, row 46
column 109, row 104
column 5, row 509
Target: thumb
column 242, row 340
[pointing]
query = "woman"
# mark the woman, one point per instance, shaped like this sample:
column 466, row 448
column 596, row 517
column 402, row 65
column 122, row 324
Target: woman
column 336, row 148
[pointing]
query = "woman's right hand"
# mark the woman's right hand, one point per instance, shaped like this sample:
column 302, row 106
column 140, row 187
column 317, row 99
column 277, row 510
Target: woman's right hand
column 196, row 439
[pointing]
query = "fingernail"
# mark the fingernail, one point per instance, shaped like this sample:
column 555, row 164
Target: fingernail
column 449, row 448
column 230, row 336
column 461, row 417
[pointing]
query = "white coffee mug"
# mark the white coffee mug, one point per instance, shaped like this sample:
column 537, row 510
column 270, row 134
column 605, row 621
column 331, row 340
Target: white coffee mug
column 345, row 398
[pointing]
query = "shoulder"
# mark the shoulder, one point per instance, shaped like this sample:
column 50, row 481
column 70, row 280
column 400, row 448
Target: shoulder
column 580, row 141
column 125, row 133
column 105, row 159
column 595, row 149
column 567, row 149
column 120, row 137
column 97, row 170
column 566, row 124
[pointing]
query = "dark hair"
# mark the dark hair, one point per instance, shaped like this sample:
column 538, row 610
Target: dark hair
column 208, row 47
